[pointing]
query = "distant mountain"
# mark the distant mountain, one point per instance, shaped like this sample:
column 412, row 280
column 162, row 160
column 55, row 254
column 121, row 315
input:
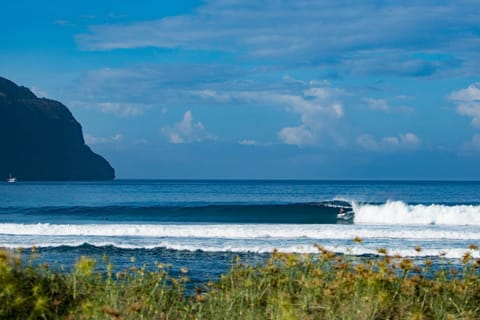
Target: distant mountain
column 41, row 140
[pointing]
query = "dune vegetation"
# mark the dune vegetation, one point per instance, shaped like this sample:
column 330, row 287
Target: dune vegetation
column 286, row 286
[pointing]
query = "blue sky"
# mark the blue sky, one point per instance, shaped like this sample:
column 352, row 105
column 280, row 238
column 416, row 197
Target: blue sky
column 259, row 89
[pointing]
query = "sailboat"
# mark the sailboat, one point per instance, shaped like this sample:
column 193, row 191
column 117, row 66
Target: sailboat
column 11, row 179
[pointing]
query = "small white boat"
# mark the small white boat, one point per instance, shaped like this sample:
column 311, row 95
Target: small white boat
column 11, row 179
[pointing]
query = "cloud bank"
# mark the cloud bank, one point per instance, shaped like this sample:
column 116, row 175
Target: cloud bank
column 406, row 38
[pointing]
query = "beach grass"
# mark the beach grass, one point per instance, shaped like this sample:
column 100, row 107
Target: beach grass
column 286, row 286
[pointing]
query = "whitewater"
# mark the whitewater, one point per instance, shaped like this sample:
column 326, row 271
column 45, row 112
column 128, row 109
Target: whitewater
column 204, row 224
column 396, row 225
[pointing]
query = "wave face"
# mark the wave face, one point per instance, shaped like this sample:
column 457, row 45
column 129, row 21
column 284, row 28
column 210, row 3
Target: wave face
column 326, row 212
column 303, row 213
column 400, row 213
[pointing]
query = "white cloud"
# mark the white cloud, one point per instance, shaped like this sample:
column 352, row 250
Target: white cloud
column 310, row 110
column 92, row 140
column 252, row 142
column 318, row 108
column 389, row 105
column 402, row 141
column 410, row 138
column 248, row 142
column 317, row 104
column 367, row 141
column 135, row 89
column 211, row 95
column 290, row 80
column 377, row 104
column 117, row 108
column 122, row 109
column 468, row 102
column 299, row 136
column 360, row 37
column 187, row 131
column 472, row 145
column 472, row 93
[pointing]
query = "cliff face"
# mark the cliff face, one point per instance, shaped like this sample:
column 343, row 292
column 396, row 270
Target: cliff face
column 41, row 140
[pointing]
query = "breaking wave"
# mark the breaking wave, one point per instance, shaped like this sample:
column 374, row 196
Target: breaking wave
column 401, row 213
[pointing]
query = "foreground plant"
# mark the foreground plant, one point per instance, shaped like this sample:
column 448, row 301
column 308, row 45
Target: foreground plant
column 331, row 286
column 31, row 292
column 286, row 286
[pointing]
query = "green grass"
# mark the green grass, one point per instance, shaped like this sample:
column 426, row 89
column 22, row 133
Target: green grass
column 285, row 286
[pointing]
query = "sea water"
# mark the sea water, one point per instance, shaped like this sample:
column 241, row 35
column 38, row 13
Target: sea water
column 205, row 225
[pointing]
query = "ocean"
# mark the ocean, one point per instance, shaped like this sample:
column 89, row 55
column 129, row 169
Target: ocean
column 205, row 225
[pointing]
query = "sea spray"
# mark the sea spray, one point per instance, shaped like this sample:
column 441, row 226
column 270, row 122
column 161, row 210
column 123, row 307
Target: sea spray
column 401, row 213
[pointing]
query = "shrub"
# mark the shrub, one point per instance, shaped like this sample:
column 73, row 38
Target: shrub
column 286, row 286
column 31, row 292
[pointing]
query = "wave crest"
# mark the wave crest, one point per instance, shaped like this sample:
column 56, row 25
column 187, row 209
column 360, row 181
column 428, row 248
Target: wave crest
column 400, row 213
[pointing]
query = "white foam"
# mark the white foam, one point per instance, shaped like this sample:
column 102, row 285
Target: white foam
column 356, row 250
column 247, row 231
column 400, row 213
